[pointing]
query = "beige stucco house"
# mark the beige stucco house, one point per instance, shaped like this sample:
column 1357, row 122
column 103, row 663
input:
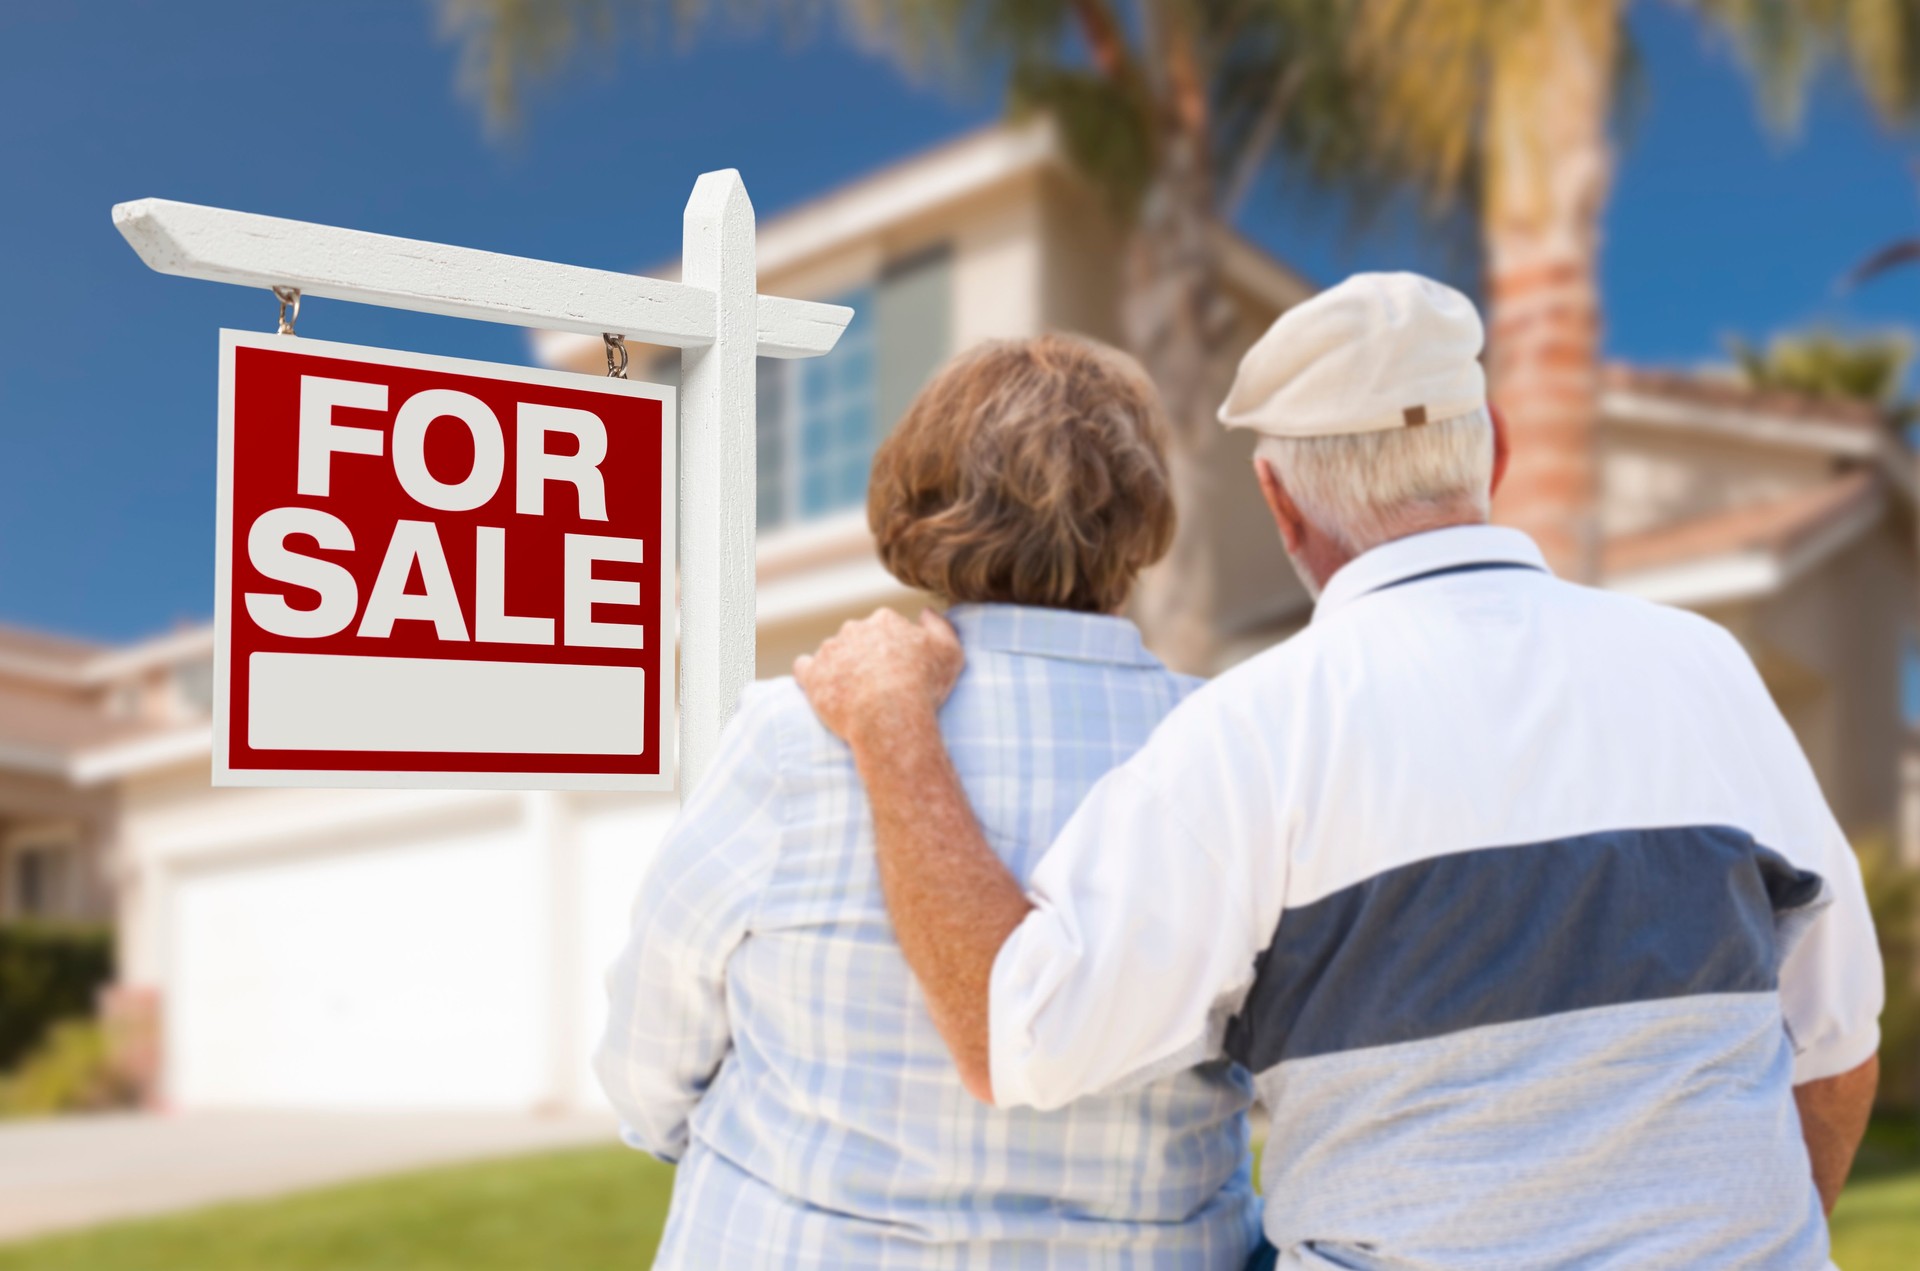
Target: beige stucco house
column 443, row 949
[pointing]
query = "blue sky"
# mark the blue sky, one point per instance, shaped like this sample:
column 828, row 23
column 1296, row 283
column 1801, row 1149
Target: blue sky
column 346, row 113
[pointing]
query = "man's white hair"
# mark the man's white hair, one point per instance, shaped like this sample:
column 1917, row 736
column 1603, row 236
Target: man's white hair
column 1365, row 489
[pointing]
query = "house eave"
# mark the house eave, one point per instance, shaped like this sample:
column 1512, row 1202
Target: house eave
column 113, row 664
column 1749, row 573
column 962, row 169
column 1627, row 405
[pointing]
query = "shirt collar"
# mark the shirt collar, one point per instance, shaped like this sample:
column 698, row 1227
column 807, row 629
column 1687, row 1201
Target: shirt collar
column 1406, row 558
column 1051, row 633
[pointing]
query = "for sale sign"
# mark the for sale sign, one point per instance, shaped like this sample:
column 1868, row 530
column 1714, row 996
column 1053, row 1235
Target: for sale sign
column 435, row 572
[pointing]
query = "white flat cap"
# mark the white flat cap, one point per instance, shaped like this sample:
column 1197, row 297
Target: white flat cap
column 1378, row 351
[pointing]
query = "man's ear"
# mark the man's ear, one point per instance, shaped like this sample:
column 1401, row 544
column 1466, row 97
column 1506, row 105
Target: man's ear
column 1501, row 451
column 1286, row 513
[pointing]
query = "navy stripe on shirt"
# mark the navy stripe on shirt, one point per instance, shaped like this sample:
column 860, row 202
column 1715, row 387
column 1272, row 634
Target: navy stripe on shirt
column 1500, row 935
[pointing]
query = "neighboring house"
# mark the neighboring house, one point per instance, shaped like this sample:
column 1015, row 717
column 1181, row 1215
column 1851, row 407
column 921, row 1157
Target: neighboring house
column 304, row 948
column 1790, row 522
column 76, row 719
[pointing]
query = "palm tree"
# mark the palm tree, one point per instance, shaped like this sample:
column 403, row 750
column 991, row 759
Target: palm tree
column 1526, row 89
column 1821, row 363
column 1171, row 108
column 1499, row 108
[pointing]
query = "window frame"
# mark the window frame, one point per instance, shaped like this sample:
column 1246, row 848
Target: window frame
column 805, row 384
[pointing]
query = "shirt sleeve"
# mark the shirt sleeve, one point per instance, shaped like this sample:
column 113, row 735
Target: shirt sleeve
column 1832, row 986
column 1149, row 910
column 667, row 1027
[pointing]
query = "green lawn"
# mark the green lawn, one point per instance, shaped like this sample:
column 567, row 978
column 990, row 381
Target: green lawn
column 579, row 1210
column 602, row 1208
column 1877, row 1226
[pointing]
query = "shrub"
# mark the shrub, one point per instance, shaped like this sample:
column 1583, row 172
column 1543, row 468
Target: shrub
column 48, row 973
column 72, row 1071
column 1893, row 889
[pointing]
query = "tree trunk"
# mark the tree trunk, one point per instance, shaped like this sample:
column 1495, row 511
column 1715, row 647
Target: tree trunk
column 1177, row 322
column 1549, row 165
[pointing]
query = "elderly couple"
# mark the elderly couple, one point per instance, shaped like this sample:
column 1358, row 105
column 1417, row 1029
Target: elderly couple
column 1514, row 902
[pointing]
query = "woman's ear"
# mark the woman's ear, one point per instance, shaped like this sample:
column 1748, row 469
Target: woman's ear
column 1286, row 513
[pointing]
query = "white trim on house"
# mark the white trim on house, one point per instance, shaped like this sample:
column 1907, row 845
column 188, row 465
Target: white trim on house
column 799, row 544
column 1709, row 581
column 115, row 759
column 287, row 826
column 1750, row 573
column 894, row 195
column 105, row 763
column 1757, row 426
column 867, row 208
column 107, row 665
column 855, row 584
column 819, row 567
column 1259, row 271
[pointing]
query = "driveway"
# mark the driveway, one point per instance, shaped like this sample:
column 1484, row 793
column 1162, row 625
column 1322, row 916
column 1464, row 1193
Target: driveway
column 78, row 1171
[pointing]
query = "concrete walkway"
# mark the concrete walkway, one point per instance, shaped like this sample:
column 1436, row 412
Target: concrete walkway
column 78, row 1171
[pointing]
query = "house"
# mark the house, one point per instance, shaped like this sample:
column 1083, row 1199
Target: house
column 76, row 719
column 365, row 949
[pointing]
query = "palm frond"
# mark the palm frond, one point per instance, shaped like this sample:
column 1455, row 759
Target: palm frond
column 1103, row 127
column 506, row 46
column 1786, row 44
column 957, row 36
column 1893, row 255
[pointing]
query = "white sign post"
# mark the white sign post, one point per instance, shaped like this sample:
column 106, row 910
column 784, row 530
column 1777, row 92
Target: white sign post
column 713, row 316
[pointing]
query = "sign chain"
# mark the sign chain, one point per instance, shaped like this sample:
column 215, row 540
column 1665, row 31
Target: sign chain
column 289, row 297
column 616, row 344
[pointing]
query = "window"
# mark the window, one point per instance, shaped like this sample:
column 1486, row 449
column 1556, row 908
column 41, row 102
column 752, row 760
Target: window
column 38, row 883
column 821, row 418
column 816, row 425
column 1910, row 679
column 193, row 682
column 770, row 453
column 913, row 327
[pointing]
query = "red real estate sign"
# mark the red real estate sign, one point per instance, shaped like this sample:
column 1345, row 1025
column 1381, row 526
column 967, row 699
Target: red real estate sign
column 435, row 572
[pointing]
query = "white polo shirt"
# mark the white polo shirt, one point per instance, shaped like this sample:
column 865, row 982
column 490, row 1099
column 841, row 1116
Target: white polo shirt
column 1518, row 898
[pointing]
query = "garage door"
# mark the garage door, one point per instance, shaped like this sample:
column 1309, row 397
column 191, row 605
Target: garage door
column 407, row 974
column 616, row 846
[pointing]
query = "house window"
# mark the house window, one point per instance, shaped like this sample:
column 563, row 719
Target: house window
column 193, row 682
column 770, row 452
column 913, row 328
column 816, row 425
column 820, row 419
column 38, row 881
column 1910, row 679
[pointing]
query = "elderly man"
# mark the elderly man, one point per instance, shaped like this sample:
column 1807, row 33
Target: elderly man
column 1518, row 898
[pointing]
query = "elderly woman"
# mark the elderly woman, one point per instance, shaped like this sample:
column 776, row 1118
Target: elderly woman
column 765, row 1032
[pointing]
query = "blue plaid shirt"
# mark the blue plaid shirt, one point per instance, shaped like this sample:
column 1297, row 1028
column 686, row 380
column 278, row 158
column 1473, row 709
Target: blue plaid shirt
column 765, row 1032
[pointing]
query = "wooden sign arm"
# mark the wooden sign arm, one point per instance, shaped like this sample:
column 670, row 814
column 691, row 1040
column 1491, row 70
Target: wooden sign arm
column 459, row 282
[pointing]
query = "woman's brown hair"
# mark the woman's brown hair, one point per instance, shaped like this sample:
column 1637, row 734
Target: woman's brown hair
column 1029, row 472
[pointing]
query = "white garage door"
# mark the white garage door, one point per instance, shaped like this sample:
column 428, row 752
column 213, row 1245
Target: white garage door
column 404, row 974
column 616, row 846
